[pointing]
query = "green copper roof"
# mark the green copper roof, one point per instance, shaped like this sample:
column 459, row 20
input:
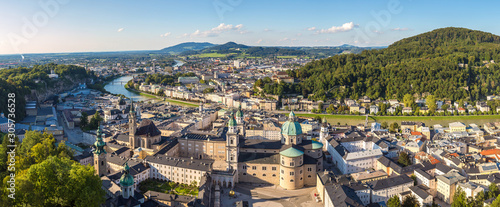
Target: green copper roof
column 291, row 115
column 291, row 128
column 127, row 179
column 316, row 145
column 232, row 121
column 239, row 113
column 99, row 143
column 291, row 152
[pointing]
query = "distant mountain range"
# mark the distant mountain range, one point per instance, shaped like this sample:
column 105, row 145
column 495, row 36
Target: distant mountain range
column 234, row 49
column 186, row 46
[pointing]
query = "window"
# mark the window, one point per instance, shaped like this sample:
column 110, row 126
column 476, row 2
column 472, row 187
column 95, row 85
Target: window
column 244, row 173
column 263, row 175
column 282, row 171
column 309, row 176
column 300, row 171
column 274, row 175
column 254, row 167
column 273, row 168
column 292, row 173
column 264, row 168
column 254, row 174
column 309, row 169
column 291, row 180
column 292, row 164
column 244, row 167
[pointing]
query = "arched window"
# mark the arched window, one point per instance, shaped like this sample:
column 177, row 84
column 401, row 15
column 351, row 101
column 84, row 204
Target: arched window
column 263, row 175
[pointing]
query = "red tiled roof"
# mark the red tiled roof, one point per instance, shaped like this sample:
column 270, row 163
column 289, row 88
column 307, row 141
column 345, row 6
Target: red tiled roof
column 490, row 152
column 416, row 133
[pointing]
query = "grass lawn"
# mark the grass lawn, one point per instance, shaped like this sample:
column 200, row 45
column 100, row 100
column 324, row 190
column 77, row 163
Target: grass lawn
column 428, row 120
column 287, row 56
column 181, row 103
column 212, row 54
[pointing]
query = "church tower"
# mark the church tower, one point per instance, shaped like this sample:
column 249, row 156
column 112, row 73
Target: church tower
column 127, row 183
column 324, row 131
column 291, row 131
column 100, row 154
column 239, row 116
column 132, row 125
column 232, row 141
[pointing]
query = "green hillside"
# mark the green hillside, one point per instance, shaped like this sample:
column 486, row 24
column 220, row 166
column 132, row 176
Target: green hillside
column 429, row 63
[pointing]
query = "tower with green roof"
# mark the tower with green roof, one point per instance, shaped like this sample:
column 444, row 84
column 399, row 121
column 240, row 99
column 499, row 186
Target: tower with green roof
column 291, row 131
column 100, row 154
column 127, row 183
column 232, row 142
column 239, row 116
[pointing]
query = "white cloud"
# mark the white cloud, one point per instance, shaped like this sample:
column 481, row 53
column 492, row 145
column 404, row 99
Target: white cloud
column 377, row 32
column 400, row 29
column 121, row 29
column 311, row 28
column 216, row 31
column 344, row 28
column 259, row 41
column 267, row 30
column 166, row 34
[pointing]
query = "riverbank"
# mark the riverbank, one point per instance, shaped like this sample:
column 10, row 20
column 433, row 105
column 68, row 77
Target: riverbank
column 428, row 120
column 161, row 98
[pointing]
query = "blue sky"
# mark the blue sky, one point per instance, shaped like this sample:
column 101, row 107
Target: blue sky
column 28, row 26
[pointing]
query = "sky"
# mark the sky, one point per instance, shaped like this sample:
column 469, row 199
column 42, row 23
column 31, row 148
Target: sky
column 56, row 26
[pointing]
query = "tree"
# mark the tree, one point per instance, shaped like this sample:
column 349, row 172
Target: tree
column 59, row 182
column 410, row 201
column 445, row 107
column 496, row 202
column 493, row 191
column 84, row 120
column 408, row 100
column 404, row 159
column 394, row 202
column 394, row 127
column 384, row 125
column 430, row 100
column 320, row 107
column 414, row 177
column 459, row 199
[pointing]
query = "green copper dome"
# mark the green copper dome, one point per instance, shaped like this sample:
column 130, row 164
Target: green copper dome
column 291, row 152
column 291, row 127
column 127, row 179
column 232, row 121
column 316, row 145
column 99, row 143
column 239, row 113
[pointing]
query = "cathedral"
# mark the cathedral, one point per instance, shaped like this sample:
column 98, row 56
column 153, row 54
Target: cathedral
column 291, row 162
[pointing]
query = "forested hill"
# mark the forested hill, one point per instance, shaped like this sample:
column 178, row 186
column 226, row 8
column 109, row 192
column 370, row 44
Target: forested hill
column 451, row 63
column 30, row 82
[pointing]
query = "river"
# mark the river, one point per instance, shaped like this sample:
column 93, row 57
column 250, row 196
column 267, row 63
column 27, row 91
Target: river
column 117, row 86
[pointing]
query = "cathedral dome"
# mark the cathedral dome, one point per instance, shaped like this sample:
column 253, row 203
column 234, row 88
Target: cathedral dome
column 316, row 145
column 291, row 152
column 291, row 127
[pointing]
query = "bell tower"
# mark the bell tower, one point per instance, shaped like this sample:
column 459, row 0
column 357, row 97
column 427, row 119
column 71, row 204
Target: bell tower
column 132, row 125
column 232, row 142
column 100, row 154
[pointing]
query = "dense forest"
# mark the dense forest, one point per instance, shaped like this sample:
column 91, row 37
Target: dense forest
column 450, row 63
column 22, row 81
column 46, row 174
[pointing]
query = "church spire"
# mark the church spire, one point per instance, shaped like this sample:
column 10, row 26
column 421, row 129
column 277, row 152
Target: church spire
column 99, row 143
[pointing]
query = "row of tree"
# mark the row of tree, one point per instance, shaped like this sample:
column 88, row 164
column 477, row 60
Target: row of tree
column 46, row 175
